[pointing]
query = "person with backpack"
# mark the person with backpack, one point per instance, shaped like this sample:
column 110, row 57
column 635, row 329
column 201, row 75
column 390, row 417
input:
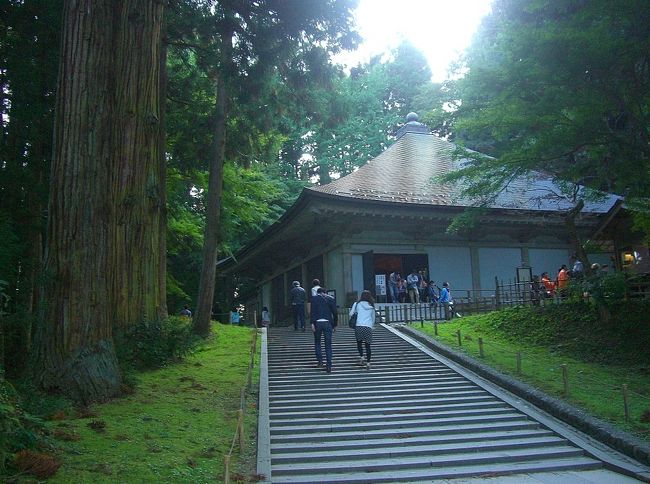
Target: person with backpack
column 365, row 310
column 324, row 319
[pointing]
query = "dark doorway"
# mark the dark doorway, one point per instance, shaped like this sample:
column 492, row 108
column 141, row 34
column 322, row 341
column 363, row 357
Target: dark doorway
column 369, row 271
column 400, row 263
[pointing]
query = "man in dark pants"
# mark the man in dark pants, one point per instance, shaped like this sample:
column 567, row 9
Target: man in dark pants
column 298, row 297
column 323, row 322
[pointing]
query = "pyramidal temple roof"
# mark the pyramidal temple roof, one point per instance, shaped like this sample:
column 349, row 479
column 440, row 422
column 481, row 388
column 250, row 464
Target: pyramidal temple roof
column 407, row 173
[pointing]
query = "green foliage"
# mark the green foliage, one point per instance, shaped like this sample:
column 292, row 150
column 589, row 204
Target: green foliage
column 29, row 46
column 352, row 119
column 575, row 328
column 18, row 429
column 559, row 87
column 155, row 344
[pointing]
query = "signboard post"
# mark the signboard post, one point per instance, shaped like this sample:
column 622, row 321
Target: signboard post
column 380, row 286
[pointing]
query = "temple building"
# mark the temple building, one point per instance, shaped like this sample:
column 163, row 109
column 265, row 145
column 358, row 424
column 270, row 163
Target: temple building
column 392, row 214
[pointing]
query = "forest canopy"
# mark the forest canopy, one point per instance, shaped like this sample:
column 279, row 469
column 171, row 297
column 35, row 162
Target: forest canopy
column 192, row 125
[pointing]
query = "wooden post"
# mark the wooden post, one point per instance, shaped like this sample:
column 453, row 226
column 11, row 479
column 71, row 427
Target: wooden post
column 226, row 469
column 626, row 403
column 387, row 314
column 435, row 327
column 242, row 398
column 497, row 296
column 255, row 320
column 480, row 348
column 240, row 429
column 421, row 321
column 518, row 363
column 460, row 341
column 565, row 379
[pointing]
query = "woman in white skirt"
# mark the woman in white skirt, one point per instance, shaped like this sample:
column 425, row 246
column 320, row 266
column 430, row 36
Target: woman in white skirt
column 365, row 309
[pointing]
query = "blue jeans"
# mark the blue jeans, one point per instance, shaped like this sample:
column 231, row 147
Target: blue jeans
column 392, row 288
column 298, row 316
column 323, row 328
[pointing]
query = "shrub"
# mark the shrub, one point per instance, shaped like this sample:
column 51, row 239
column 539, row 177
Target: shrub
column 577, row 328
column 18, row 429
column 154, row 344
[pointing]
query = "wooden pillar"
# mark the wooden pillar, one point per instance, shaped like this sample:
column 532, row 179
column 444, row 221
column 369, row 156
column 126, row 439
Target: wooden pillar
column 476, row 271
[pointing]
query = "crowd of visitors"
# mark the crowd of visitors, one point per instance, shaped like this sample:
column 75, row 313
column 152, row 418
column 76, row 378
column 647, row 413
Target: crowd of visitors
column 546, row 287
column 415, row 288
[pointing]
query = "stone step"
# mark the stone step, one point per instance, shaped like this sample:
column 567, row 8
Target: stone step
column 345, row 418
column 300, row 413
column 374, row 391
column 313, row 374
column 318, row 455
column 429, row 474
column 344, row 387
column 465, row 458
column 469, row 439
column 342, row 404
column 406, row 423
column 407, row 432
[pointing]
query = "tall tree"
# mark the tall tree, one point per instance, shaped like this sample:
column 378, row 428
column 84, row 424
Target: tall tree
column 103, row 262
column 29, row 43
column 352, row 119
column 560, row 87
column 252, row 38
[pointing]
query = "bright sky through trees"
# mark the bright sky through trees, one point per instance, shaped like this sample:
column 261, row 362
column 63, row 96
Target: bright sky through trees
column 441, row 29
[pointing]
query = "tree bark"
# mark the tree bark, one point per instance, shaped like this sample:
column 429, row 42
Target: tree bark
column 205, row 298
column 570, row 222
column 102, row 258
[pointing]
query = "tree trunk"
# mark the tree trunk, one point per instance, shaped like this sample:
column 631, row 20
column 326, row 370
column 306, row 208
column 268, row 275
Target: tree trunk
column 205, row 297
column 139, row 185
column 570, row 222
column 102, row 258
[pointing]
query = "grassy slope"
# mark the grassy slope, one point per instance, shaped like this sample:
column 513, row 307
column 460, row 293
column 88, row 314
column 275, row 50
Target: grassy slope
column 598, row 361
column 176, row 427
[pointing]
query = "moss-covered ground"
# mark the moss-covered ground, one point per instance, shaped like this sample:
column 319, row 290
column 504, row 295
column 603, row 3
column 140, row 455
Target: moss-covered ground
column 599, row 358
column 177, row 425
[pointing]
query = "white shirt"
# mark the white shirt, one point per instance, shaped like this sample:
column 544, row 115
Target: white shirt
column 314, row 291
column 365, row 313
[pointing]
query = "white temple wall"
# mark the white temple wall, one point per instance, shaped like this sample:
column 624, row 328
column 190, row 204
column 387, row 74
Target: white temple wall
column 548, row 260
column 451, row 264
column 498, row 262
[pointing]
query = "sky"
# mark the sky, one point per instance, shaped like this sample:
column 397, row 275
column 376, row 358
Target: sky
column 440, row 29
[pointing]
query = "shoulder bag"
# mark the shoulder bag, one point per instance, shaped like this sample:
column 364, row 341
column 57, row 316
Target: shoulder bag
column 352, row 323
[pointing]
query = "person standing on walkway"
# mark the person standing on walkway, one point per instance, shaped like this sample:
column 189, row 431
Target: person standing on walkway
column 324, row 319
column 445, row 300
column 365, row 309
column 298, row 296
column 412, row 284
column 266, row 317
column 392, row 286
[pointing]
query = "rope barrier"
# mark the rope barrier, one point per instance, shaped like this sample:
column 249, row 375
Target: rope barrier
column 239, row 431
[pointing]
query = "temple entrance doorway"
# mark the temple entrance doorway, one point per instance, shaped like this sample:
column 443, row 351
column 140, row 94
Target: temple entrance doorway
column 384, row 264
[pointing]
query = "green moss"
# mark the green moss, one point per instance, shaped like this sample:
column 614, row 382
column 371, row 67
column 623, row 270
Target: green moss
column 599, row 359
column 178, row 425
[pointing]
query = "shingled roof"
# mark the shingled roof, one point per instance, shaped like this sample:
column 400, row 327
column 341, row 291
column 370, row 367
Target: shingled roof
column 406, row 173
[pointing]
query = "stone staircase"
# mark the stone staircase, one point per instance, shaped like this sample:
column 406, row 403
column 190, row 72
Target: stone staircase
column 408, row 419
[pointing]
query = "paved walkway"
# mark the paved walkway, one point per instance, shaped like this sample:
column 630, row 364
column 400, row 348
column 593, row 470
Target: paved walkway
column 414, row 417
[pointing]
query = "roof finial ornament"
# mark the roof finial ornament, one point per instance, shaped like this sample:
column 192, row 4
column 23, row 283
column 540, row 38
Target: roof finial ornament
column 412, row 125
